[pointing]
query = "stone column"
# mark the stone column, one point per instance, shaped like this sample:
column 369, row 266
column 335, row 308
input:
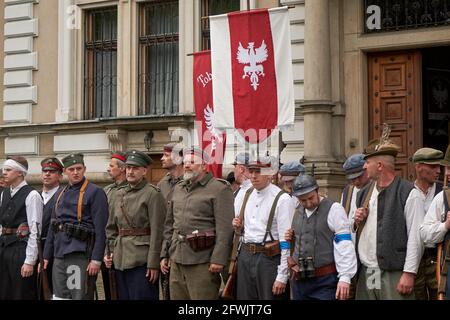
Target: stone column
column 318, row 107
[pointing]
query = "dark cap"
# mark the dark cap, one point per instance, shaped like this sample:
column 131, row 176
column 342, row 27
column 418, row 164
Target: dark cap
column 354, row 166
column 290, row 170
column 122, row 156
column 197, row 152
column 72, row 159
column 304, row 184
column 375, row 148
column 446, row 161
column 242, row 158
column 138, row 158
column 52, row 164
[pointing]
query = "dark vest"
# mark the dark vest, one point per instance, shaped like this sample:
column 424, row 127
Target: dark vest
column 13, row 211
column 313, row 237
column 47, row 213
column 392, row 236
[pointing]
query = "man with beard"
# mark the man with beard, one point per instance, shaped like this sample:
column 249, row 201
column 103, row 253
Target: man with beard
column 198, row 230
column 20, row 215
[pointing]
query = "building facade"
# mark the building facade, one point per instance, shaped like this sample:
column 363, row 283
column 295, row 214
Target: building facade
column 95, row 76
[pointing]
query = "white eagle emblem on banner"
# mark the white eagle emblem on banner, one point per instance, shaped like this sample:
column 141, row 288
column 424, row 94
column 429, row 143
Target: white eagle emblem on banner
column 253, row 56
column 216, row 134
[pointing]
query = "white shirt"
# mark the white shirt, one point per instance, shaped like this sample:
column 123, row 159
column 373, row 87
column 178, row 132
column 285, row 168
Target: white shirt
column 34, row 208
column 344, row 251
column 295, row 202
column 247, row 184
column 351, row 212
column 433, row 229
column 47, row 195
column 428, row 197
column 256, row 216
column 367, row 246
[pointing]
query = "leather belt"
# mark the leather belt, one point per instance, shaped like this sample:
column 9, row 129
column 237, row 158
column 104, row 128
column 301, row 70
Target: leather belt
column 8, row 231
column 325, row 270
column 134, row 232
column 253, row 248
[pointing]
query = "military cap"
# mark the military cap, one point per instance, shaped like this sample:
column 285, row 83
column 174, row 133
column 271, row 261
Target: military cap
column 122, row 156
column 289, row 171
column 446, row 161
column 197, row 152
column 51, row 164
column 138, row 159
column 354, row 166
column 173, row 145
column 242, row 158
column 375, row 148
column 72, row 159
column 428, row 156
column 304, row 184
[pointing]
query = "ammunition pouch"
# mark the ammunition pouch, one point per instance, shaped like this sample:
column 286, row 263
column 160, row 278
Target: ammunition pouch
column 76, row 231
column 272, row 248
column 202, row 240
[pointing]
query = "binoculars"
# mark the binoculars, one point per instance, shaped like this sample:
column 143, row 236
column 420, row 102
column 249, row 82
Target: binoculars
column 306, row 267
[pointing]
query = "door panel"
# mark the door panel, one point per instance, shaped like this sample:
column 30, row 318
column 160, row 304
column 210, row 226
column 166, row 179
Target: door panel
column 395, row 99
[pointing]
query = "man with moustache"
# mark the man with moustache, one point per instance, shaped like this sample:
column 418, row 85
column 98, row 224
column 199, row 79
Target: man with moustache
column 427, row 167
column 20, row 215
column 51, row 177
column 76, row 238
column 117, row 171
column 135, row 231
column 267, row 211
column 198, row 229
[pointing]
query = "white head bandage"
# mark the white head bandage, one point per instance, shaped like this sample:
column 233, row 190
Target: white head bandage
column 11, row 164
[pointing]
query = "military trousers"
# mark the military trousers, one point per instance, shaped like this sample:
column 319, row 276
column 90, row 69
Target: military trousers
column 132, row 284
column 193, row 282
column 70, row 278
column 377, row 284
column 425, row 285
column 12, row 285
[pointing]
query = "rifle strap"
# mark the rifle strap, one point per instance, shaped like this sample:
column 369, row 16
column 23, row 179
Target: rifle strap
column 366, row 206
column 348, row 199
column 238, row 232
column 271, row 215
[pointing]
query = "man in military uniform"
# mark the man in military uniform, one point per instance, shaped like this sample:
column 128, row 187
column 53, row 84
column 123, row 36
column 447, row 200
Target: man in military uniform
column 51, row 177
column 267, row 211
column 117, row 171
column 436, row 224
column 135, row 231
column 76, row 239
column 357, row 175
column 20, row 215
column 198, row 228
column 427, row 166
column 387, row 221
column 288, row 172
column 172, row 160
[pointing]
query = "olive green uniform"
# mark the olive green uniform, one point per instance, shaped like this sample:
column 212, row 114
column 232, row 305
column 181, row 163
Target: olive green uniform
column 201, row 206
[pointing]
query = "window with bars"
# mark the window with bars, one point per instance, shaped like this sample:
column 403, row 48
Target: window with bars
column 100, row 72
column 158, row 57
column 214, row 7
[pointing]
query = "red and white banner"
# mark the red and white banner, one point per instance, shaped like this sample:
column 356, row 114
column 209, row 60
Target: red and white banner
column 251, row 60
column 211, row 140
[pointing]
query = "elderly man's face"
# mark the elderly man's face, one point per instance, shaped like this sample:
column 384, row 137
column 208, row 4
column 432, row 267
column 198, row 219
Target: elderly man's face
column 193, row 167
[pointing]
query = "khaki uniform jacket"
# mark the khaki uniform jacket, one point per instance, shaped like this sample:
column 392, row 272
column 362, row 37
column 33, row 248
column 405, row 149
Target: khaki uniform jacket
column 167, row 184
column 145, row 207
column 111, row 191
column 204, row 205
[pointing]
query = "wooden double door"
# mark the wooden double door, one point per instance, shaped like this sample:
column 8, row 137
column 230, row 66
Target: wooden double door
column 395, row 98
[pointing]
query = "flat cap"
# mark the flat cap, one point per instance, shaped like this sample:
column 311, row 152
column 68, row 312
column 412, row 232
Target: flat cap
column 122, row 156
column 242, row 158
column 304, row 184
column 51, row 164
column 138, row 158
column 428, row 156
column 290, row 170
column 197, row 152
column 375, row 148
column 446, row 161
column 72, row 159
column 354, row 166
column 169, row 147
